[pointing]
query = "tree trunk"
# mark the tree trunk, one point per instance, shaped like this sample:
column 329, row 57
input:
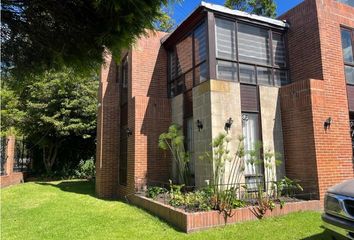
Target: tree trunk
column 49, row 158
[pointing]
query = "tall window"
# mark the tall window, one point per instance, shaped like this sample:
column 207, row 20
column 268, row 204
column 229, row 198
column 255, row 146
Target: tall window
column 250, row 129
column 187, row 61
column 249, row 54
column 348, row 52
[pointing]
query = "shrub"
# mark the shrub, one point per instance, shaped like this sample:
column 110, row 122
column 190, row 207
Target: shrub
column 86, row 169
column 153, row 192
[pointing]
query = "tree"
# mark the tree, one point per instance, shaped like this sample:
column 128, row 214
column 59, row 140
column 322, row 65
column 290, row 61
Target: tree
column 56, row 107
column 38, row 35
column 265, row 8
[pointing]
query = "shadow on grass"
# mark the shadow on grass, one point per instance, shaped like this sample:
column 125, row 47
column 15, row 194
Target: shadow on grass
column 80, row 187
column 325, row 235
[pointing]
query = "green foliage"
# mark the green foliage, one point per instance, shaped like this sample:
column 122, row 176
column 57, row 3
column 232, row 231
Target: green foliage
column 44, row 34
column 224, row 190
column 154, row 192
column 86, row 169
column 51, row 110
column 265, row 8
column 176, row 196
column 173, row 140
column 264, row 203
column 286, row 187
column 198, row 200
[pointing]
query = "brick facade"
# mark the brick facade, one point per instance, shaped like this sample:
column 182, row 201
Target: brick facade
column 148, row 116
column 319, row 157
column 316, row 156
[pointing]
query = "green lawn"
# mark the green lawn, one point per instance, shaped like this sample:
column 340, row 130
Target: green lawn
column 68, row 210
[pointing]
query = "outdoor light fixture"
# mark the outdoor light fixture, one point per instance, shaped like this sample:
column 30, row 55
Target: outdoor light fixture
column 327, row 123
column 129, row 132
column 244, row 117
column 199, row 125
column 228, row 124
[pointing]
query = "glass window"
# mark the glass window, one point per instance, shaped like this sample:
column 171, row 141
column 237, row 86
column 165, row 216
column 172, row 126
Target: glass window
column 264, row 76
column 225, row 39
column 349, row 74
column 173, row 64
column 279, row 50
column 184, row 55
column 347, row 46
column 250, row 129
column 280, row 77
column 247, row 74
column 200, row 43
column 226, row 70
column 253, row 44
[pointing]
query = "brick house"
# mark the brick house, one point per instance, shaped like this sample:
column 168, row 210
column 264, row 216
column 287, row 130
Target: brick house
column 287, row 82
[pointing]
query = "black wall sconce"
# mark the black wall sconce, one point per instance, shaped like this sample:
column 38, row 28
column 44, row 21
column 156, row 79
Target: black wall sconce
column 199, row 125
column 228, row 124
column 129, row 132
column 327, row 123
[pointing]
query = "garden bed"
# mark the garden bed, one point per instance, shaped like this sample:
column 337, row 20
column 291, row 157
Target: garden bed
column 195, row 221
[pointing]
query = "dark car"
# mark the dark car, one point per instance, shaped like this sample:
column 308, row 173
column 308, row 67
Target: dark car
column 338, row 213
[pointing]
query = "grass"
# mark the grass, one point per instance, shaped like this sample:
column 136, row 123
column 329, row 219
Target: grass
column 69, row 210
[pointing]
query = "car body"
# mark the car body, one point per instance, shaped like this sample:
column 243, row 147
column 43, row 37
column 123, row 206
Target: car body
column 338, row 216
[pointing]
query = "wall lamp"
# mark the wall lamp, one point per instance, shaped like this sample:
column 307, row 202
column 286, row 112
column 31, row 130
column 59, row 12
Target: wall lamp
column 228, row 124
column 327, row 123
column 129, row 132
column 199, row 125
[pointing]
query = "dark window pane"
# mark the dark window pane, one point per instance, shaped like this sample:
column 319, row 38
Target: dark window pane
column 189, row 80
column 264, row 76
column 226, row 70
column 349, row 74
column 253, row 44
column 280, row 77
column 279, row 50
column 347, row 46
column 225, row 39
column 184, row 55
column 247, row 74
column 173, row 62
column 200, row 43
column 201, row 73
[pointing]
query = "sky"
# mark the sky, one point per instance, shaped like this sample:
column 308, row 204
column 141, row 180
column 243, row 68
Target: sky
column 186, row 7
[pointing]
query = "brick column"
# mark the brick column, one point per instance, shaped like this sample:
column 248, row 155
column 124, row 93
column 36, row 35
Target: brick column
column 107, row 131
column 10, row 154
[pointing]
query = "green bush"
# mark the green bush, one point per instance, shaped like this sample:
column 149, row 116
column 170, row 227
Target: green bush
column 86, row 169
column 153, row 192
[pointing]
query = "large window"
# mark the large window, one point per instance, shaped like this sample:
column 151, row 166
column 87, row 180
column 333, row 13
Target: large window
column 249, row 54
column 348, row 52
column 188, row 61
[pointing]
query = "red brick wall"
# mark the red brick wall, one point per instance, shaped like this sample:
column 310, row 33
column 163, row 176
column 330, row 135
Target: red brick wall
column 149, row 114
column 312, row 153
column 107, row 131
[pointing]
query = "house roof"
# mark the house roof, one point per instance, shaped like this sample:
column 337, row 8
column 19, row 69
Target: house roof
column 197, row 14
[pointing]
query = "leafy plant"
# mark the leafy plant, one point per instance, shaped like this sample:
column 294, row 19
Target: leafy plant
column 223, row 190
column 86, row 169
column 264, row 203
column 198, row 200
column 286, row 187
column 176, row 196
column 153, row 192
column 174, row 141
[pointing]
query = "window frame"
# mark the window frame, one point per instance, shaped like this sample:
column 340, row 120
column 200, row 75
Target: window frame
column 174, row 81
column 351, row 31
column 272, row 65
